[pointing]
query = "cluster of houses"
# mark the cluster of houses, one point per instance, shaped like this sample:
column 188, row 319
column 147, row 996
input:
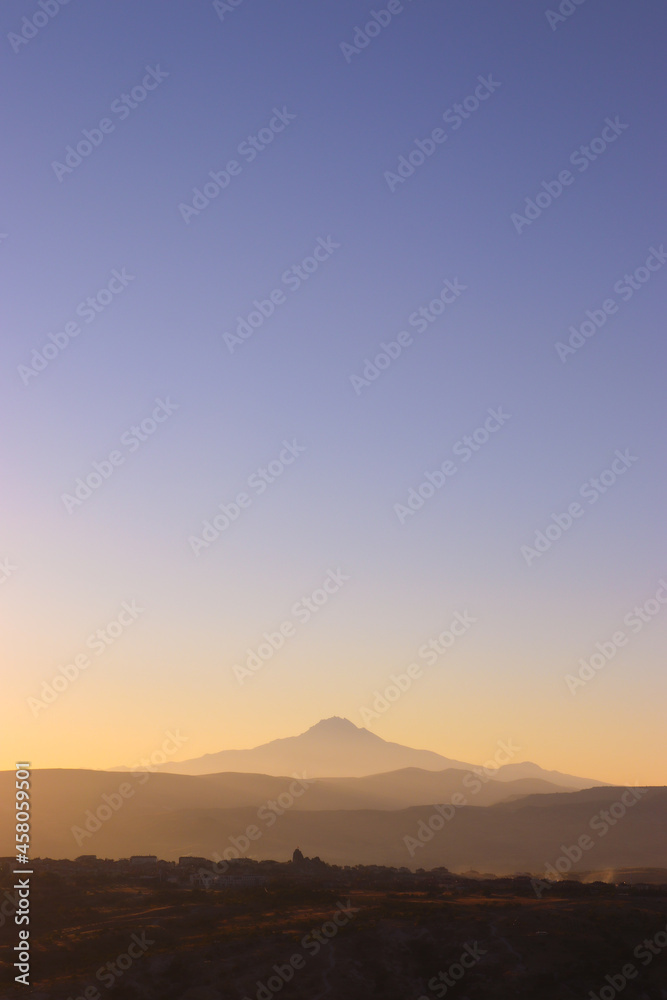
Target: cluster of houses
column 203, row 873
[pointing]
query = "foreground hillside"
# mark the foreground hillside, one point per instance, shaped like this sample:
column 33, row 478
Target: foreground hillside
column 489, row 941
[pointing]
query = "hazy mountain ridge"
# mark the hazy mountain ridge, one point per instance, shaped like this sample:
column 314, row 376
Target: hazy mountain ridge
column 501, row 818
column 167, row 816
column 68, row 791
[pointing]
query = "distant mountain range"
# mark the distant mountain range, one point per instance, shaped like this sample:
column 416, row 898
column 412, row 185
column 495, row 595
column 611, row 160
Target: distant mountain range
column 335, row 747
column 345, row 794
column 345, row 821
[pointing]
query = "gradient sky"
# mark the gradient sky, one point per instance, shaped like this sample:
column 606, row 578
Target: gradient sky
column 324, row 176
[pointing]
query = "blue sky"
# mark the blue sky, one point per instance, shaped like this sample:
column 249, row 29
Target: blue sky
column 323, row 178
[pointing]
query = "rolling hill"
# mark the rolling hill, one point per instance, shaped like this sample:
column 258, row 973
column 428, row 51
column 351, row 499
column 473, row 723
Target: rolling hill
column 260, row 816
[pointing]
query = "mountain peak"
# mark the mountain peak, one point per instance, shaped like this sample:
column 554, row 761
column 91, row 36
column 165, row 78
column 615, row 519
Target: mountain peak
column 336, row 747
column 334, row 724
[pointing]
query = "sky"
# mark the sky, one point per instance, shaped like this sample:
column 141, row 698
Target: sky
column 497, row 167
